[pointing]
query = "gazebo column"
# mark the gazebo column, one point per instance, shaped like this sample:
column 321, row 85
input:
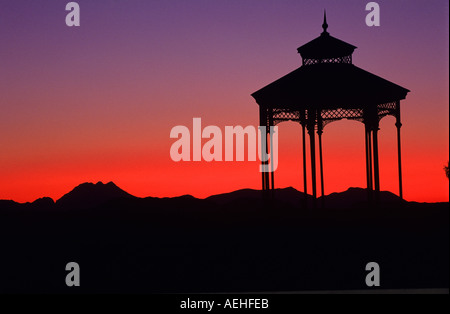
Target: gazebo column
column 266, row 173
column 368, row 143
column 376, row 166
column 319, row 133
column 398, row 124
column 305, row 182
column 272, row 169
column 263, row 123
column 312, row 144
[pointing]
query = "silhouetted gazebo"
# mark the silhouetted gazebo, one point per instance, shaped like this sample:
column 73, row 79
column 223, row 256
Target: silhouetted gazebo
column 326, row 88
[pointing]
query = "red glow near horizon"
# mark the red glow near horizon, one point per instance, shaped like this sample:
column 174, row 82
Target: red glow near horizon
column 98, row 103
column 145, row 173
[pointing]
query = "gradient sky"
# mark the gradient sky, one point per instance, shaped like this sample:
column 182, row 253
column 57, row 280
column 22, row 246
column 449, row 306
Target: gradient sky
column 97, row 102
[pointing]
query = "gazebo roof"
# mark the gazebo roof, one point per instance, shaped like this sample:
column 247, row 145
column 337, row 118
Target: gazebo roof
column 329, row 85
column 325, row 46
column 328, row 79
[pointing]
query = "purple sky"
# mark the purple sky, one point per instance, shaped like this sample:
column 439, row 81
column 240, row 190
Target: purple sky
column 73, row 100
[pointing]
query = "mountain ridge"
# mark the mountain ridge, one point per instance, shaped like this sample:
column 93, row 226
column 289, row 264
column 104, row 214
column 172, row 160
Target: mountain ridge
column 88, row 194
column 92, row 195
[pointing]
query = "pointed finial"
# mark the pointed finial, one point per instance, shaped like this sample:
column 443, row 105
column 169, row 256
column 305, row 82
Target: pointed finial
column 325, row 25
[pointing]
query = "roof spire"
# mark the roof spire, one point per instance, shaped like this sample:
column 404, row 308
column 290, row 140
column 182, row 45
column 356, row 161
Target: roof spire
column 325, row 25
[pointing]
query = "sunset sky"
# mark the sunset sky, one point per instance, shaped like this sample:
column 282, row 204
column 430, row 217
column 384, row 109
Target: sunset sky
column 97, row 102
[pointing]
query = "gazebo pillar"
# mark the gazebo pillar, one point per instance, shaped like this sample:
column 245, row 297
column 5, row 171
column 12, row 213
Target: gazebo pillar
column 368, row 143
column 272, row 169
column 263, row 123
column 376, row 166
column 312, row 144
column 266, row 173
column 305, row 182
column 319, row 133
column 398, row 124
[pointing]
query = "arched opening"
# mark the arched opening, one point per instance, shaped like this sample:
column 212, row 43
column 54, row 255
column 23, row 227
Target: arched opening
column 344, row 155
column 290, row 161
column 388, row 161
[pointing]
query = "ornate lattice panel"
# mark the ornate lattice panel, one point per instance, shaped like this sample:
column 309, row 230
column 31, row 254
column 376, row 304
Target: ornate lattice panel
column 388, row 109
column 280, row 115
column 329, row 116
column 346, row 59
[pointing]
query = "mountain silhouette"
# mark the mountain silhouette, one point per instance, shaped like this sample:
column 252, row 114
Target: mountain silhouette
column 286, row 195
column 355, row 197
column 91, row 195
column 44, row 203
